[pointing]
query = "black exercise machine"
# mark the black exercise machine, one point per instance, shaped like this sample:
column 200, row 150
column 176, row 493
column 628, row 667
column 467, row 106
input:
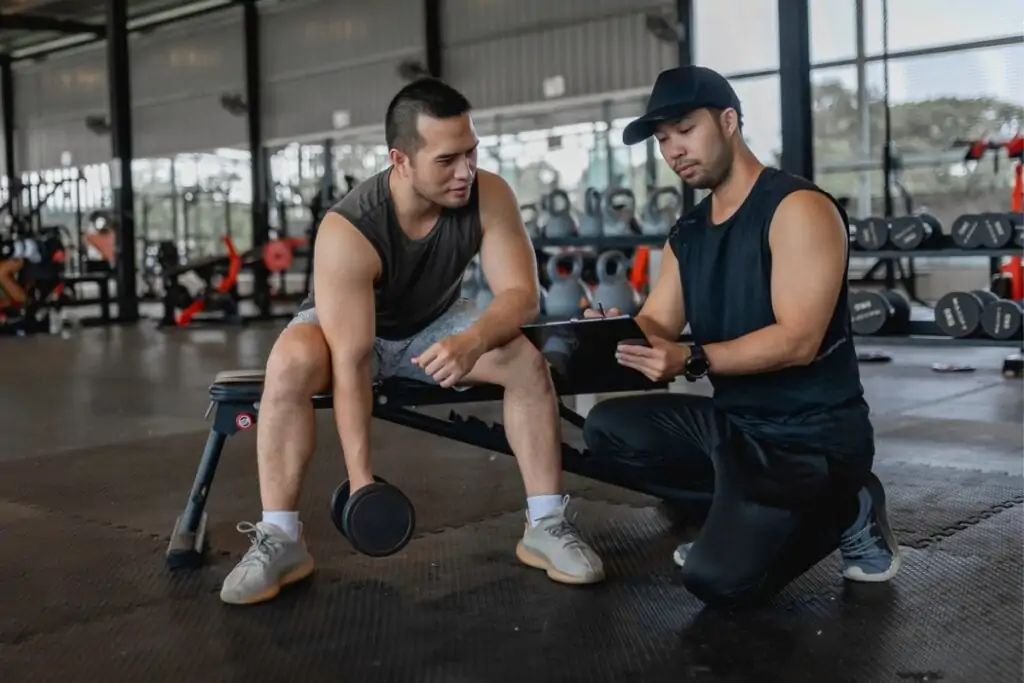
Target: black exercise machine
column 235, row 398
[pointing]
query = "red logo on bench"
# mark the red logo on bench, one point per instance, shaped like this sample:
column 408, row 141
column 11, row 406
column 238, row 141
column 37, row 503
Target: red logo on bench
column 244, row 420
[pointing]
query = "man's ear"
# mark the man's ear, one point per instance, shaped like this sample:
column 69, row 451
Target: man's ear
column 730, row 121
column 399, row 159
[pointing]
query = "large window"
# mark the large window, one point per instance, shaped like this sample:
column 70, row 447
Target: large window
column 938, row 99
column 833, row 30
column 736, row 36
column 916, row 24
column 762, row 116
column 836, row 116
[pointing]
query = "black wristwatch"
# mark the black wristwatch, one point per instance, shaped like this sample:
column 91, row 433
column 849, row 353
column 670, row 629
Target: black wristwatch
column 696, row 365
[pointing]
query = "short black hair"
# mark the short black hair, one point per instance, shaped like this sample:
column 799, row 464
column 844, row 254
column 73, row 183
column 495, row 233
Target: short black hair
column 429, row 96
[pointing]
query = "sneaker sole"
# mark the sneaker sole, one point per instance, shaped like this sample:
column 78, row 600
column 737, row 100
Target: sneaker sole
column 300, row 572
column 877, row 492
column 537, row 562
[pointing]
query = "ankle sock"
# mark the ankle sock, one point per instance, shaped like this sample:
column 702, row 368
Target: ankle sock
column 542, row 506
column 285, row 520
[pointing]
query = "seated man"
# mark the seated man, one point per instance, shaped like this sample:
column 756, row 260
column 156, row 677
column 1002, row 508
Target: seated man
column 759, row 270
column 388, row 265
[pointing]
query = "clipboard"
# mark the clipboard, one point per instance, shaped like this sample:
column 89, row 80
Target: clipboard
column 581, row 353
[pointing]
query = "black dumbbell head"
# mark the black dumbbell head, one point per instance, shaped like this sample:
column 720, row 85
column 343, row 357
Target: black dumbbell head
column 966, row 231
column 1002, row 319
column 378, row 520
column 958, row 314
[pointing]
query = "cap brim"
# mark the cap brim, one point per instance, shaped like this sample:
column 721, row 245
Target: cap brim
column 644, row 127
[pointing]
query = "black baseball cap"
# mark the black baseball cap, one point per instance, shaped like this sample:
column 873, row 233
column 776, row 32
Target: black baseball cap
column 676, row 93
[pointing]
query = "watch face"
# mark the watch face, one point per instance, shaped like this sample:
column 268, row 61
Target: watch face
column 698, row 366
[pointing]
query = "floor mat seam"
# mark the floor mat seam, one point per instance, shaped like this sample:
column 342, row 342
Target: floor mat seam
column 965, row 524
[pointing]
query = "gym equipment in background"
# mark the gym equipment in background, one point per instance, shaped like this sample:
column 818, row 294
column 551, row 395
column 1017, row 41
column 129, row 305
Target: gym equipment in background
column 531, row 217
column 613, row 288
column 591, row 219
column 567, row 296
column 921, row 231
column 619, row 213
column 884, row 312
column 560, row 222
column 1002, row 319
column 873, row 233
column 958, row 314
column 661, row 211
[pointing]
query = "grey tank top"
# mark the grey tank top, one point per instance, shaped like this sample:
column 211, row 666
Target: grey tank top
column 420, row 278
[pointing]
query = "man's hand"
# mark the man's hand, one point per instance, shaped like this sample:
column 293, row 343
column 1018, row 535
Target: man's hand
column 451, row 359
column 662, row 360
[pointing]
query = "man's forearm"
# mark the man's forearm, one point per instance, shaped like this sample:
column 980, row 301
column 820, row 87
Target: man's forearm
column 764, row 350
column 353, row 407
column 506, row 313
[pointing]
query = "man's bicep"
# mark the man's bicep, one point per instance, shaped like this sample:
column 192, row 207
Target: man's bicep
column 808, row 243
column 345, row 266
column 664, row 305
column 507, row 256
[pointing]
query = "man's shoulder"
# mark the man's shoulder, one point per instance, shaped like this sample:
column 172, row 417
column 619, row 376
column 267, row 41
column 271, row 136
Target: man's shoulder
column 366, row 199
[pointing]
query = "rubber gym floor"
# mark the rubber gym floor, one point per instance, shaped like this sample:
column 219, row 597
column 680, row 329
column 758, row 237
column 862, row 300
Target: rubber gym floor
column 101, row 434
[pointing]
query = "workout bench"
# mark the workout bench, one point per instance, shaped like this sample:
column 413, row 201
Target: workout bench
column 235, row 397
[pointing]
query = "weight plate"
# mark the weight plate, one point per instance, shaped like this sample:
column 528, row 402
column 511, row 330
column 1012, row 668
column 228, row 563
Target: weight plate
column 908, row 232
column 996, row 231
column 338, row 501
column 873, row 234
column 379, row 520
column 1002, row 319
column 958, row 314
column 966, row 231
column 869, row 312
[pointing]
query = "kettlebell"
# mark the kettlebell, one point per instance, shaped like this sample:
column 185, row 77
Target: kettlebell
column 613, row 288
column 661, row 211
column 484, row 295
column 531, row 215
column 567, row 296
column 560, row 221
column 619, row 213
column 590, row 219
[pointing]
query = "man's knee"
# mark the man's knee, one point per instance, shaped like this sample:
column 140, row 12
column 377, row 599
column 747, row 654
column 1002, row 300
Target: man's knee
column 520, row 363
column 718, row 585
column 605, row 427
column 300, row 362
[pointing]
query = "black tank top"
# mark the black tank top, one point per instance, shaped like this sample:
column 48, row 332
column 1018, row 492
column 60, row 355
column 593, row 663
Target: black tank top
column 420, row 278
column 726, row 272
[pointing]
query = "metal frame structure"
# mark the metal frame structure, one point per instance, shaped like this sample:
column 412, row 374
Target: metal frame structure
column 794, row 73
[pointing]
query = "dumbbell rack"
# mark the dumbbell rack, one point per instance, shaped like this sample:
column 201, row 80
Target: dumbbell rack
column 926, row 333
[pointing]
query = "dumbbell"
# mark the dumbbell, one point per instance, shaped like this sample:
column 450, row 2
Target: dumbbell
column 966, row 231
column 958, row 314
column 915, row 232
column 1002, row 319
column 879, row 312
column 873, row 234
column 378, row 520
column 997, row 230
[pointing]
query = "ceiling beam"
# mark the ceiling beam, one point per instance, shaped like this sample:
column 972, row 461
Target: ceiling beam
column 35, row 22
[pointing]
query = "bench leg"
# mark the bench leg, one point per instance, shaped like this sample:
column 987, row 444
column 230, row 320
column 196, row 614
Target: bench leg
column 188, row 540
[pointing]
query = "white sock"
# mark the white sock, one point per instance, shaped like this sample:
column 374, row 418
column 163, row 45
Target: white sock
column 285, row 520
column 542, row 506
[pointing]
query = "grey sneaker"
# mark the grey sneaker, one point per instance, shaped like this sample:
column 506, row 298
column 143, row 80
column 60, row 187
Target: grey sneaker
column 555, row 546
column 272, row 562
column 869, row 548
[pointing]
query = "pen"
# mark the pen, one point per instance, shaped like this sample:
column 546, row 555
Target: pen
column 600, row 309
